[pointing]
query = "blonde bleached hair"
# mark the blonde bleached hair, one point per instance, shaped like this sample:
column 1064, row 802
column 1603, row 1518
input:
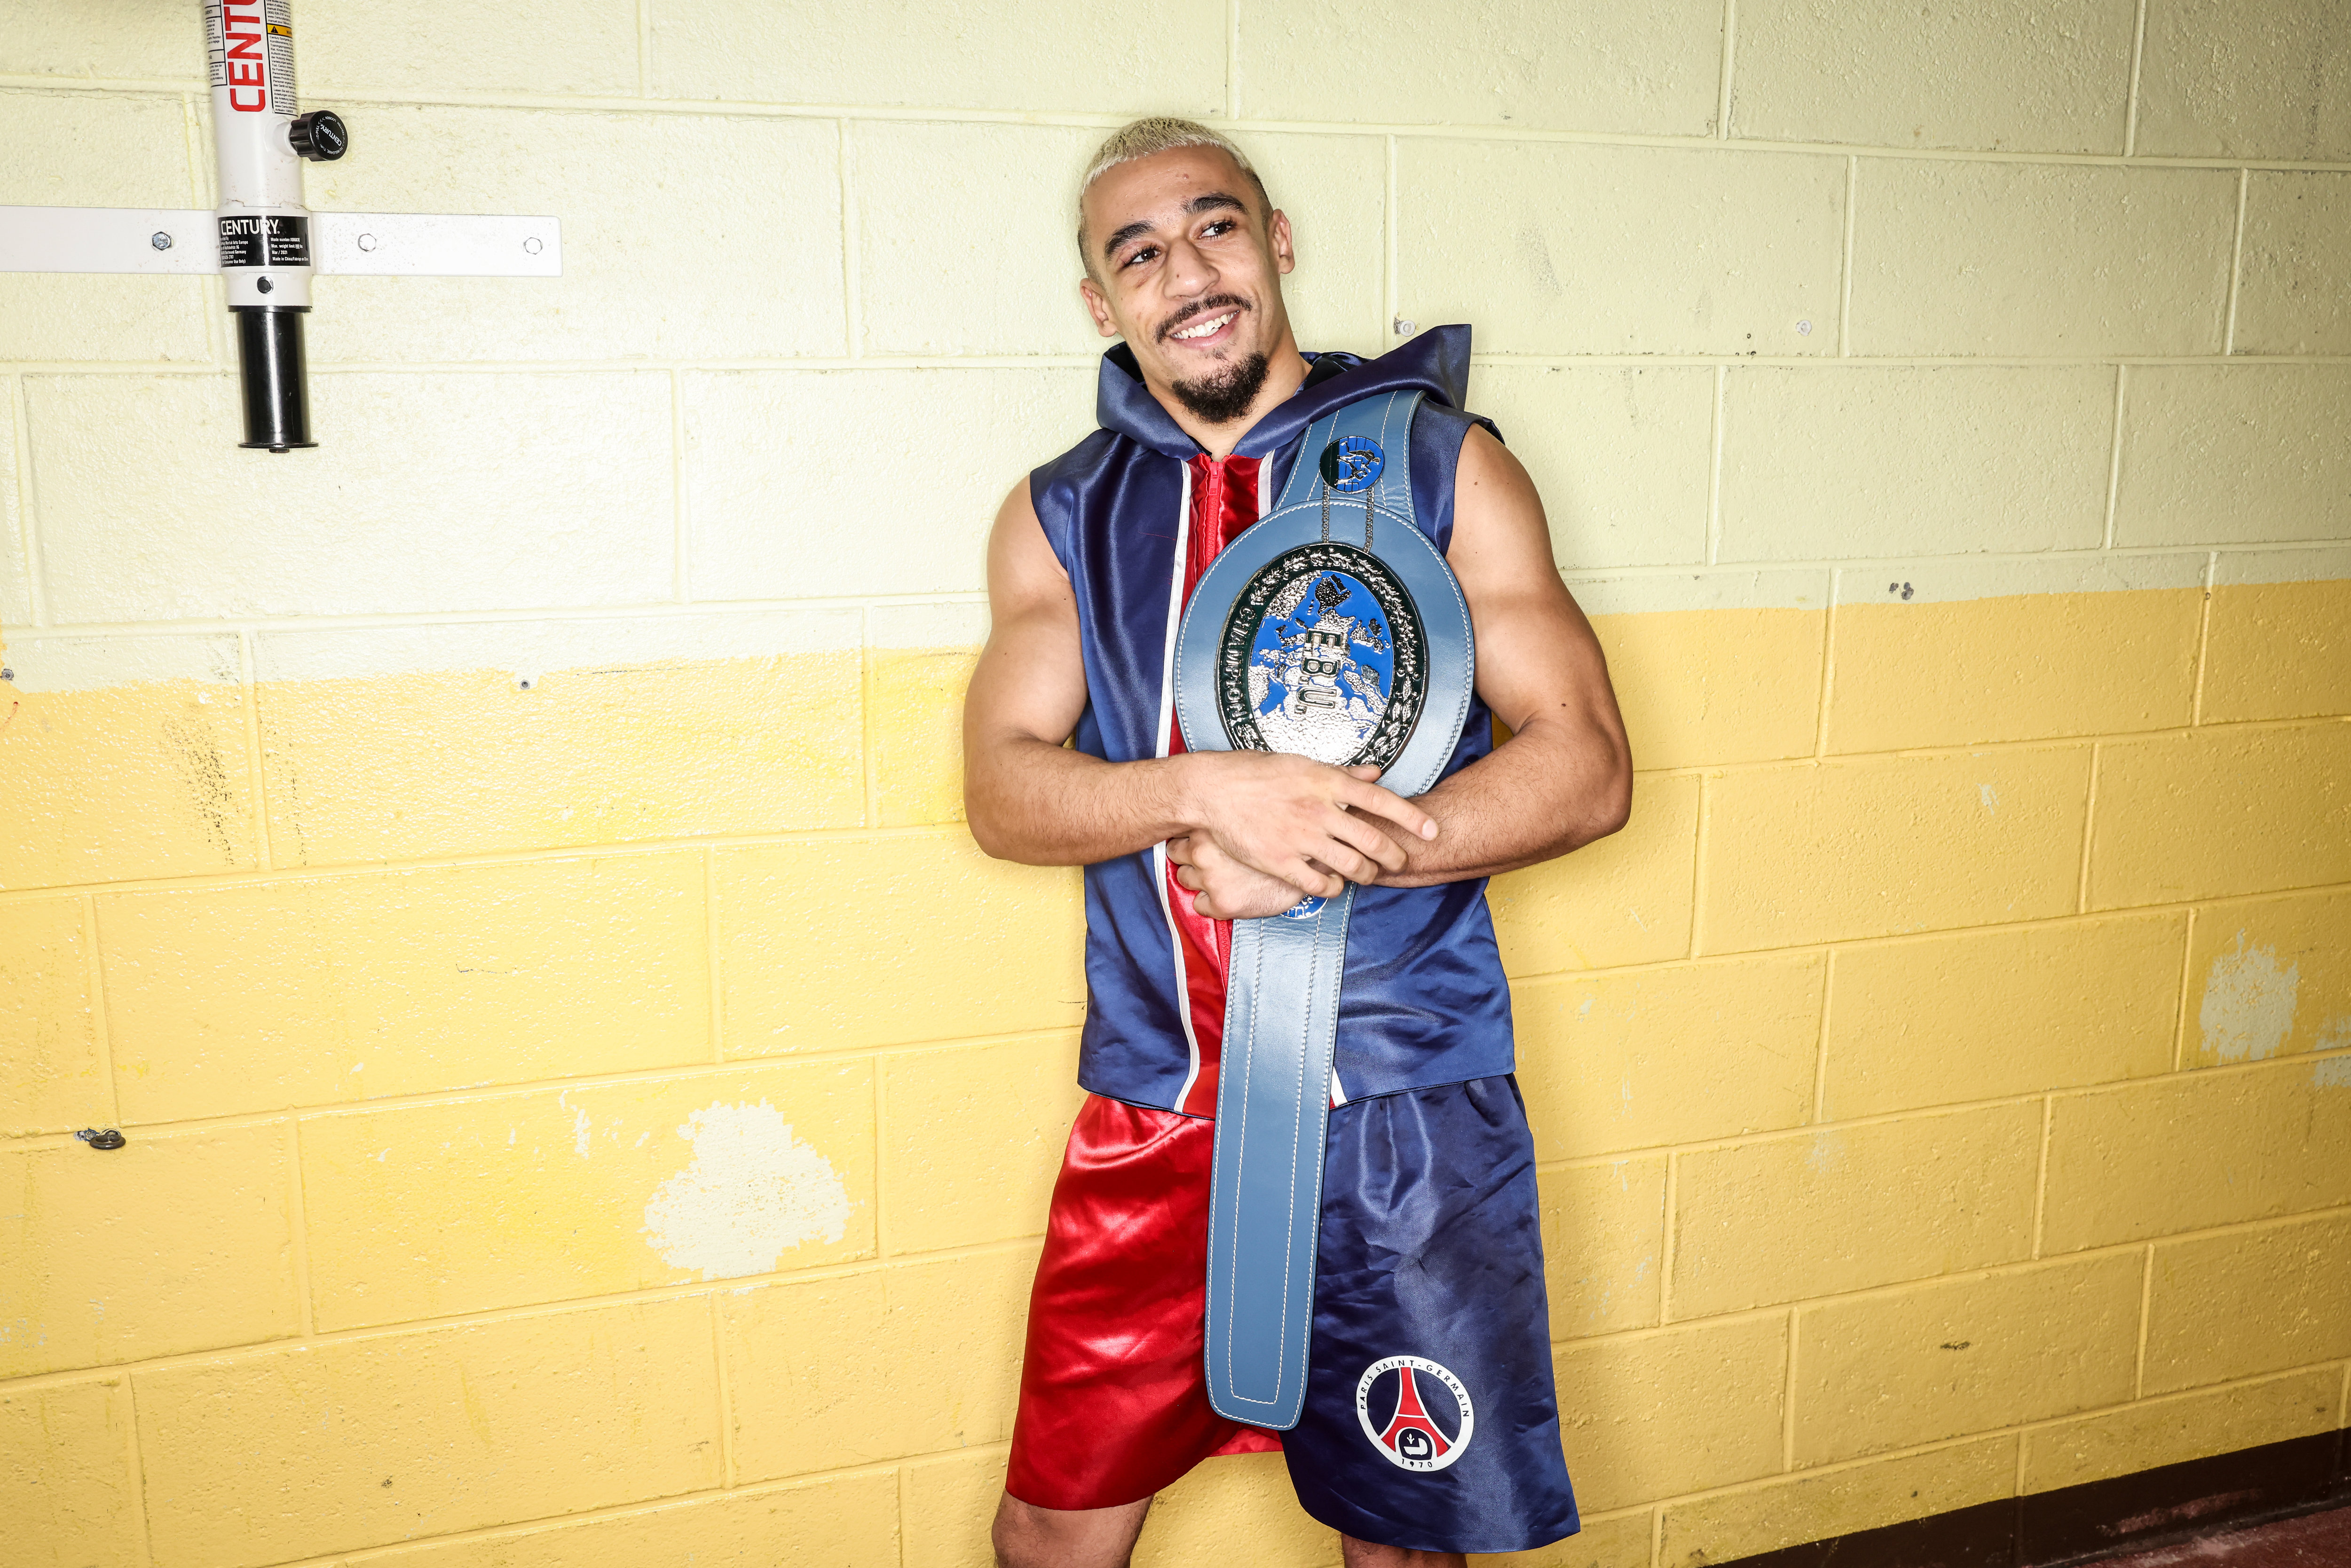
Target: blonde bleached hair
column 1146, row 137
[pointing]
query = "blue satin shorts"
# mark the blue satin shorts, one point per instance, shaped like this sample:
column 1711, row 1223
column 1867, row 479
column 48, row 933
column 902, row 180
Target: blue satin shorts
column 1431, row 1422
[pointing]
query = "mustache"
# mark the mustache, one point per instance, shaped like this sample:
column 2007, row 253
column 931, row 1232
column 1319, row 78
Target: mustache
column 1198, row 308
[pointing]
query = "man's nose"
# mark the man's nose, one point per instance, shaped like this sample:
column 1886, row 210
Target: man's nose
column 1189, row 272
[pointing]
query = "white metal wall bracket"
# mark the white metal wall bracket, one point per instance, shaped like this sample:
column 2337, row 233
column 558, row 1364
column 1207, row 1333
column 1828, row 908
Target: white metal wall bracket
column 187, row 239
column 263, row 240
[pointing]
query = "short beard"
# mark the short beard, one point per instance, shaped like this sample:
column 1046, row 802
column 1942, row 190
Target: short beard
column 1224, row 397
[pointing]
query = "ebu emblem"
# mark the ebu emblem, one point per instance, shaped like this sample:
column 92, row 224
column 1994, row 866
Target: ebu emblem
column 1324, row 655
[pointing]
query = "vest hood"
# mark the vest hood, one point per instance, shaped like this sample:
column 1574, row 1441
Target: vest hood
column 1435, row 362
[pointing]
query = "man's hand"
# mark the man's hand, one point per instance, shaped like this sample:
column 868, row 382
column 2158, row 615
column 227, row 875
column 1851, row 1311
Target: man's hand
column 1290, row 820
column 1222, row 887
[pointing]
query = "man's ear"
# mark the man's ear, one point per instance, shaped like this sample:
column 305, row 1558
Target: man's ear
column 1097, row 307
column 1285, row 254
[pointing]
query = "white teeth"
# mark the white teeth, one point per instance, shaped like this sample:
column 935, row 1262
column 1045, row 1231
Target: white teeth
column 1205, row 327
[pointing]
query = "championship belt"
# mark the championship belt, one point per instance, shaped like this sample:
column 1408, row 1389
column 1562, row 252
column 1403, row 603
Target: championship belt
column 1334, row 630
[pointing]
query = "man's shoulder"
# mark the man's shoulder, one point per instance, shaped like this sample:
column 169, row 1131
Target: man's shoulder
column 1057, row 487
column 1056, row 482
column 1440, row 436
column 1434, row 422
column 1443, row 424
column 1091, row 452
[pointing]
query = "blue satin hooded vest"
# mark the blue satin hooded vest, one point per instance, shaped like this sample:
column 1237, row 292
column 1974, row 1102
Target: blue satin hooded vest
column 1423, row 1001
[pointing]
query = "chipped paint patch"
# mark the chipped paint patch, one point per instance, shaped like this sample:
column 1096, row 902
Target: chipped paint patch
column 2248, row 1004
column 751, row 1193
column 2335, row 1072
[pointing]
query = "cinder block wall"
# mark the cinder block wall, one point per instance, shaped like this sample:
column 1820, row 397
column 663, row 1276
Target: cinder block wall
column 589, row 1105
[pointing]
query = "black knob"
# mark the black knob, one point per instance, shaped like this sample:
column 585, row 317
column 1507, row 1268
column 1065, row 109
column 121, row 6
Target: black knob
column 321, row 135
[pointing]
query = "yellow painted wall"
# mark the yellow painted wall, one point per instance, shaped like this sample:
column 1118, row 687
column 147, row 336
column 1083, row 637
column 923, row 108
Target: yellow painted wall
column 590, row 1106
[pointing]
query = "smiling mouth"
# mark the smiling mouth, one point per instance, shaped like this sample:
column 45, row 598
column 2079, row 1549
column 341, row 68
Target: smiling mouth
column 1204, row 320
column 1204, row 329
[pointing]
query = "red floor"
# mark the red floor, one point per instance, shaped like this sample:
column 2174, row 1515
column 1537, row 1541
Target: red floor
column 2314, row 1541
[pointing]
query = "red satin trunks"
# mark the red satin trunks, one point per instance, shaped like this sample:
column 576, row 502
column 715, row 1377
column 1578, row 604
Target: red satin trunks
column 1114, row 1390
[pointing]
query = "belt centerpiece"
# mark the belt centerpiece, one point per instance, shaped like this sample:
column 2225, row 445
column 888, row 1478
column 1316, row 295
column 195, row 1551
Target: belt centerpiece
column 1331, row 629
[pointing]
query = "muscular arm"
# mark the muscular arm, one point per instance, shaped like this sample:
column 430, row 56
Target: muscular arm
column 1027, row 796
column 1284, row 820
column 1565, row 776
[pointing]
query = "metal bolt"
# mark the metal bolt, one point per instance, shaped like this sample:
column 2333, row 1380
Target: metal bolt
column 367, row 242
column 1804, row 329
column 102, row 1137
column 1404, row 329
column 7, row 675
column 264, row 285
column 532, row 246
column 160, row 240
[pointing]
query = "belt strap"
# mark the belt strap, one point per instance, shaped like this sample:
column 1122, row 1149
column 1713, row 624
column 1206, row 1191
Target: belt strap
column 1281, row 1018
column 1265, row 1193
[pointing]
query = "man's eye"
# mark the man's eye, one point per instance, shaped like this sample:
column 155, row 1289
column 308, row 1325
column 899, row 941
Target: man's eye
column 1146, row 254
column 1222, row 226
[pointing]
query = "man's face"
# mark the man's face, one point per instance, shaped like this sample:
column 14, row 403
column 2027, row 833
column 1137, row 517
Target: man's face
column 1187, row 267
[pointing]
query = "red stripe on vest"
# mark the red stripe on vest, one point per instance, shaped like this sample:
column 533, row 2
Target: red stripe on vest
column 1224, row 503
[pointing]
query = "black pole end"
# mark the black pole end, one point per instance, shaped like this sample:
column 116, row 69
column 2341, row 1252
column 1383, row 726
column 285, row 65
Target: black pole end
column 270, row 358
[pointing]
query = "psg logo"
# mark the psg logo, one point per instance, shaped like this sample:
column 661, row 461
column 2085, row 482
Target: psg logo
column 1416, row 1413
